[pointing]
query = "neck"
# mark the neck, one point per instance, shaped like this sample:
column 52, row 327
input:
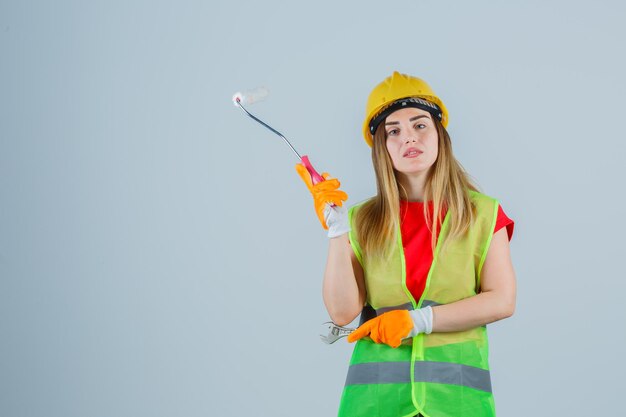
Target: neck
column 414, row 185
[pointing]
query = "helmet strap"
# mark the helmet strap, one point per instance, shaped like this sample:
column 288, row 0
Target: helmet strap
column 404, row 103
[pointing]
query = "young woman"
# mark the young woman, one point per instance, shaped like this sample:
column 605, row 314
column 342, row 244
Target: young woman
column 425, row 262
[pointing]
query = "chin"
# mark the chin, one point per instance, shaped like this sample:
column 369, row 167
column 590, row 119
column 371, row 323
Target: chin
column 411, row 170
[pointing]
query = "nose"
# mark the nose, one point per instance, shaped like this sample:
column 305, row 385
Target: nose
column 409, row 135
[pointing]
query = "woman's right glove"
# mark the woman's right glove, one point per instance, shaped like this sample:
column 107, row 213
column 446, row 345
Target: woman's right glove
column 325, row 194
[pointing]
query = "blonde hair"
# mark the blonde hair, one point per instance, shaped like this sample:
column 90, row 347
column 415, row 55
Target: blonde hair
column 447, row 185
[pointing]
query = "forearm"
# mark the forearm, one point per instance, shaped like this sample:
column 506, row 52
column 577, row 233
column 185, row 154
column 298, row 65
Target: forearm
column 341, row 292
column 472, row 312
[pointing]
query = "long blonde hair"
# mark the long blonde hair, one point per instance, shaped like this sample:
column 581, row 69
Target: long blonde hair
column 447, row 185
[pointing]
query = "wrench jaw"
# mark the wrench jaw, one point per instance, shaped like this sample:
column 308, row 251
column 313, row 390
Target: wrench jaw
column 335, row 333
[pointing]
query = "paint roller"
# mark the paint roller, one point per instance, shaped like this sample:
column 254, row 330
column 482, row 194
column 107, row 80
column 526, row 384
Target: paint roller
column 258, row 94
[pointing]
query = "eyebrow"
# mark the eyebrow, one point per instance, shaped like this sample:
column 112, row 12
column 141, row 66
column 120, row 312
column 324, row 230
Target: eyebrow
column 410, row 120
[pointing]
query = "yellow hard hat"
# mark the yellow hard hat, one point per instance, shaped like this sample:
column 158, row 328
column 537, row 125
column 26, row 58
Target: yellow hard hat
column 396, row 92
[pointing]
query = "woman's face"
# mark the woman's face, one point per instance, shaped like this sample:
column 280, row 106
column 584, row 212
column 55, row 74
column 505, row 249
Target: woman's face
column 412, row 140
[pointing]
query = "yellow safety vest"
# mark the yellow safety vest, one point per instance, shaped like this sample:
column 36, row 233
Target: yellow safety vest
column 440, row 374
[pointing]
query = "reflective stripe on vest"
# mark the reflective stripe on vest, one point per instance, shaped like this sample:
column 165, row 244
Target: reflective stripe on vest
column 406, row 306
column 436, row 372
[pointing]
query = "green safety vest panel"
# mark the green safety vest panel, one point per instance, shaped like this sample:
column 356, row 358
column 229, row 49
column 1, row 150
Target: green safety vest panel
column 440, row 374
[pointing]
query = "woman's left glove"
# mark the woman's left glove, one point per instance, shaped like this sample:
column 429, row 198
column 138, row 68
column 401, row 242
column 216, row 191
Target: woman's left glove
column 393, row 326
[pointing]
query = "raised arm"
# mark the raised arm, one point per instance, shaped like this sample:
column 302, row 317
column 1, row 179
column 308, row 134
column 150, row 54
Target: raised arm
column 343, row 288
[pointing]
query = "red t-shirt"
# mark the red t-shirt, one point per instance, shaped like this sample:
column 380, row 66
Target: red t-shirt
column 416, row 236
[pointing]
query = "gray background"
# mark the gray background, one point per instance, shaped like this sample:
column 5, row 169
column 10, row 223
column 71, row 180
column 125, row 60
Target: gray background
column 159, row 255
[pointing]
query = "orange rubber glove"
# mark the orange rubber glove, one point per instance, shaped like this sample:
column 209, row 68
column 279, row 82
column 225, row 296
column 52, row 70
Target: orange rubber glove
column 388, row 328
column 325, row 192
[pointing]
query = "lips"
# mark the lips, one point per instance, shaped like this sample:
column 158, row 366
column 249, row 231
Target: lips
column 412, row 152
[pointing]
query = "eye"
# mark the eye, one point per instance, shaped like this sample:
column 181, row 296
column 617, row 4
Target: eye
column 420, row 126
column 392, row 132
